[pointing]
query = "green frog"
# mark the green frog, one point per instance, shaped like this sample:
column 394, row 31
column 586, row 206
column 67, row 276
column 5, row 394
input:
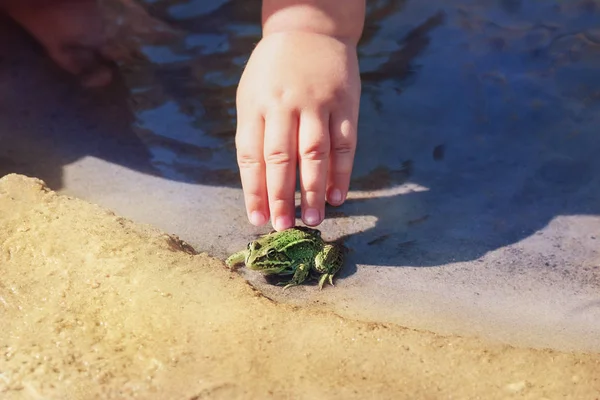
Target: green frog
column 295, row 251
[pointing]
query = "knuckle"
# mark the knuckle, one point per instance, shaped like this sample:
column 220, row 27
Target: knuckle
column 253, row 199
column 285, row 97
column 247, row 161
column 279, row 200
column 293, row 98
column 314, row 194
column 278, row 158
column 337, row 96
column 316, row 152
column 343, row 147
column 279, row 203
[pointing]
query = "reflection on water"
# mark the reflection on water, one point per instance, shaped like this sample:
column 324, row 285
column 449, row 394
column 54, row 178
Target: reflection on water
column 184, row 90
column 466, row 68
column 491, row 105
column 194, row 8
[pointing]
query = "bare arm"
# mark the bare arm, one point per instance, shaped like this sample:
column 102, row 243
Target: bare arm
column 342, row 19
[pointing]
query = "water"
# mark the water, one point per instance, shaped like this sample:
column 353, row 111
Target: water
column 492, row 104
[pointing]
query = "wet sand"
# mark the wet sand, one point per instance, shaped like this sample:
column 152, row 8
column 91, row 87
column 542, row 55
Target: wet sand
column 95, row 306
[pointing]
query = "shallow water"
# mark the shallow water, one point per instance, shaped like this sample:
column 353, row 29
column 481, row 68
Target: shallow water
column 477, row 158
column 490, row 107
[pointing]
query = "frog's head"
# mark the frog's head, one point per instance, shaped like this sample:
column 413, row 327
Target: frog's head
column 267, row 254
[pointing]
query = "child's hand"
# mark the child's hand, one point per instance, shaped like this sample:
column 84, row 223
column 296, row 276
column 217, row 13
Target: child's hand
column 297, row 103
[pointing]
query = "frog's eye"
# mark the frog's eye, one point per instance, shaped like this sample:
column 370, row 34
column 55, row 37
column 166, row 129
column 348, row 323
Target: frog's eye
column 271, row 252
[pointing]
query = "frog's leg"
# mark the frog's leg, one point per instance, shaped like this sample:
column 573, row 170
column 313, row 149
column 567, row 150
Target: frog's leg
column 299, row 276
column 236, row 258
column 328, row 262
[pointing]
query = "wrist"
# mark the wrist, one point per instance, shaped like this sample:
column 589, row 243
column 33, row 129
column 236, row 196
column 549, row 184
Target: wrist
column 323, row 17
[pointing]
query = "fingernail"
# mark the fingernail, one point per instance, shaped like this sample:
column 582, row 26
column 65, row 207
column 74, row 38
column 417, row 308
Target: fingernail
column 257, row 218
column 312, row 217
column 336, row 196
column 282, row 223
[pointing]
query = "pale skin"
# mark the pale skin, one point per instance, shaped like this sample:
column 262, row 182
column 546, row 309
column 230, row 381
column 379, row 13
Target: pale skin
column 297, row 100
column 297, row 105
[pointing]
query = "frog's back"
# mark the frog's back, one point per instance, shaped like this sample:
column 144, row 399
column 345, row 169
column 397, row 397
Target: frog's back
column 306, row 232
column 297, row 240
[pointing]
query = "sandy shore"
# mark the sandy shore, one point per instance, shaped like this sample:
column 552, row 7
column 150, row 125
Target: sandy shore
column 94, row 306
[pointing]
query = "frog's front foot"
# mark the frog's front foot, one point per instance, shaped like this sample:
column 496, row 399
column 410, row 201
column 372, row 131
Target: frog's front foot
column 236, row 259
column 299, row 276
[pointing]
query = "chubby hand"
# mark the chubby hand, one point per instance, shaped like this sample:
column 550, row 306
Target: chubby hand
column 297, row 106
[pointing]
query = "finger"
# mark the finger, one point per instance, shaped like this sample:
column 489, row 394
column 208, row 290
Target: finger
column 343, row 147
column 281, row 131
column 249, row 143
column 313, row 150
